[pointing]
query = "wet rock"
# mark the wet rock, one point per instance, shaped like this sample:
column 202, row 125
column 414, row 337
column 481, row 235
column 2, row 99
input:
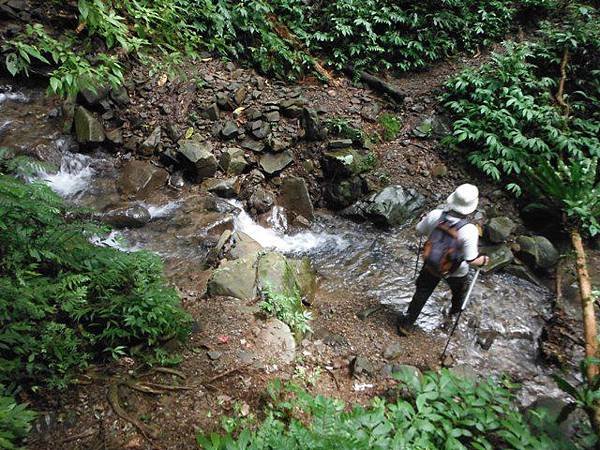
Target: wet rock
column 215, row 253
column 486, row 338
column 361, row 366
column 234, row 279
column 301, row 222
column 152, row 143
column 233, row 161
column 342, row 193
column 212, row 112
column 140, row 178
column 127, row 217
column 261, row 200
column 313, row 129
column 88, row 129
column 537, row 252
column 230, row 130
column 225, row 188
column 499, row 229
column 295, row 197
column 274, row 163
column 394, row 205
column 500, row 257
column 339, row 143
column 252, row 145
column 344, row 162
column 306, row 278
column 392, row 351
column 273, row 275
column 275, row 343
column 200, row 155
column 520, row 271
column 243, row 246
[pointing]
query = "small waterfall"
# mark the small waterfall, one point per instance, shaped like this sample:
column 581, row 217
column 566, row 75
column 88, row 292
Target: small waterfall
column 73, row 177
column 274, row 238
column 13, row 97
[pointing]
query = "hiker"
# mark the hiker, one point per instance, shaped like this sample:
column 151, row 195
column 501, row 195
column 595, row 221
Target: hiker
column 451, row 246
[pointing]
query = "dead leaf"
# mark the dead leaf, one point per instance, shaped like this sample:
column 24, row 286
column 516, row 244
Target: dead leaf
column 162, row 80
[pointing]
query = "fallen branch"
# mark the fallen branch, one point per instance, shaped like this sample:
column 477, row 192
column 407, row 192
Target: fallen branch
column 82, row 435
column 377, row 84
column 330, row 372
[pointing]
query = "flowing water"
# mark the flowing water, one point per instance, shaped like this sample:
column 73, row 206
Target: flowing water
column 357, row 258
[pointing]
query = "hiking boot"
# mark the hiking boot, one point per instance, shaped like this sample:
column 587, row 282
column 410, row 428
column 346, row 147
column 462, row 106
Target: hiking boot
column 404, row 325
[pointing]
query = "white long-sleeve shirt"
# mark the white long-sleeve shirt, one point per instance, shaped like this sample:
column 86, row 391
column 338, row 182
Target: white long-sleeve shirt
column 467, row 235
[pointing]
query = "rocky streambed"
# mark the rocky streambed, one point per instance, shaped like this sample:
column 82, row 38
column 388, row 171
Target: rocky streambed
column 224, row 238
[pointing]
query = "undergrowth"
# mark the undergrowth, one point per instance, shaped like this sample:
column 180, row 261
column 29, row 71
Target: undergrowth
column 287, row 39
column 517, row 125
column 287, row 308
column 15, row 421
column 436, row 411
column 65, row 302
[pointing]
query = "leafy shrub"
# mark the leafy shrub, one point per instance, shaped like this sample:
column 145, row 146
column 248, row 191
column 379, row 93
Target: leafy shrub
column 509, row 121
column 438, row 411
column 287, row 308
column 391, row 126
column 15, row 421
column 65, row 302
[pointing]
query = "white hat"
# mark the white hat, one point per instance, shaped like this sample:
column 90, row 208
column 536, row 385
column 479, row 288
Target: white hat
column 464, row 199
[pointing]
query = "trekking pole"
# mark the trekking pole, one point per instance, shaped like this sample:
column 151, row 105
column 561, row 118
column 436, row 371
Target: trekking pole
column 462, row 308
column 418, row 254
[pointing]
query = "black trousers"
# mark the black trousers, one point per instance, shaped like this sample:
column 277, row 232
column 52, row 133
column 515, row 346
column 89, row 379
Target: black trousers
column 426, row 283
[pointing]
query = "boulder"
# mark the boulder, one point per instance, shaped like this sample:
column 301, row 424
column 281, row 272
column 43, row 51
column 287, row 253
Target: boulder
column 394, row 205
column 138, row 179
column 392, row 351
column 201, row 156
column 342, row 193
column 94, row 95
column 408, row 374
column 243, row 246
column 152, row 142
column 233, row 161
column 261, row 200
column 275, row 275
column 274, row 163
column 306, row 278
column 275, row 343
column 537, row 252
column 223, row 187
column 252, row 145
column 313, row 129
column 295, row 197
column 88, row 128
column 344, row 162
column 500, row 257
column 234, row 279
column 499, row 229
column 115, row 136
column 230, row 130
column 127, row 217
column 361, row 366
column 120, row 96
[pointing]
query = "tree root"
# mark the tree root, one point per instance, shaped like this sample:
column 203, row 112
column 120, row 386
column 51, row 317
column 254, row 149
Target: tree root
column 226, row 373
column 115, row 402
column 330, row 372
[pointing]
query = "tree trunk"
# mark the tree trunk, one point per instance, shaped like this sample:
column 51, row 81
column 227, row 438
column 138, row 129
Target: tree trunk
column 587, row 305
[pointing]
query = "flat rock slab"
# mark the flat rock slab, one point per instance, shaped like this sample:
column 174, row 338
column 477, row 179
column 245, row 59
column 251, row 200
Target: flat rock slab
column 275, row 344
column 274, row 163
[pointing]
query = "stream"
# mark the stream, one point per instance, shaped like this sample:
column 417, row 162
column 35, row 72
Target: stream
column 357, row 258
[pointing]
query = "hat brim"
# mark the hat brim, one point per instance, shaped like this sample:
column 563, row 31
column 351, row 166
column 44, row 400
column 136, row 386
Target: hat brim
column 461, row 209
